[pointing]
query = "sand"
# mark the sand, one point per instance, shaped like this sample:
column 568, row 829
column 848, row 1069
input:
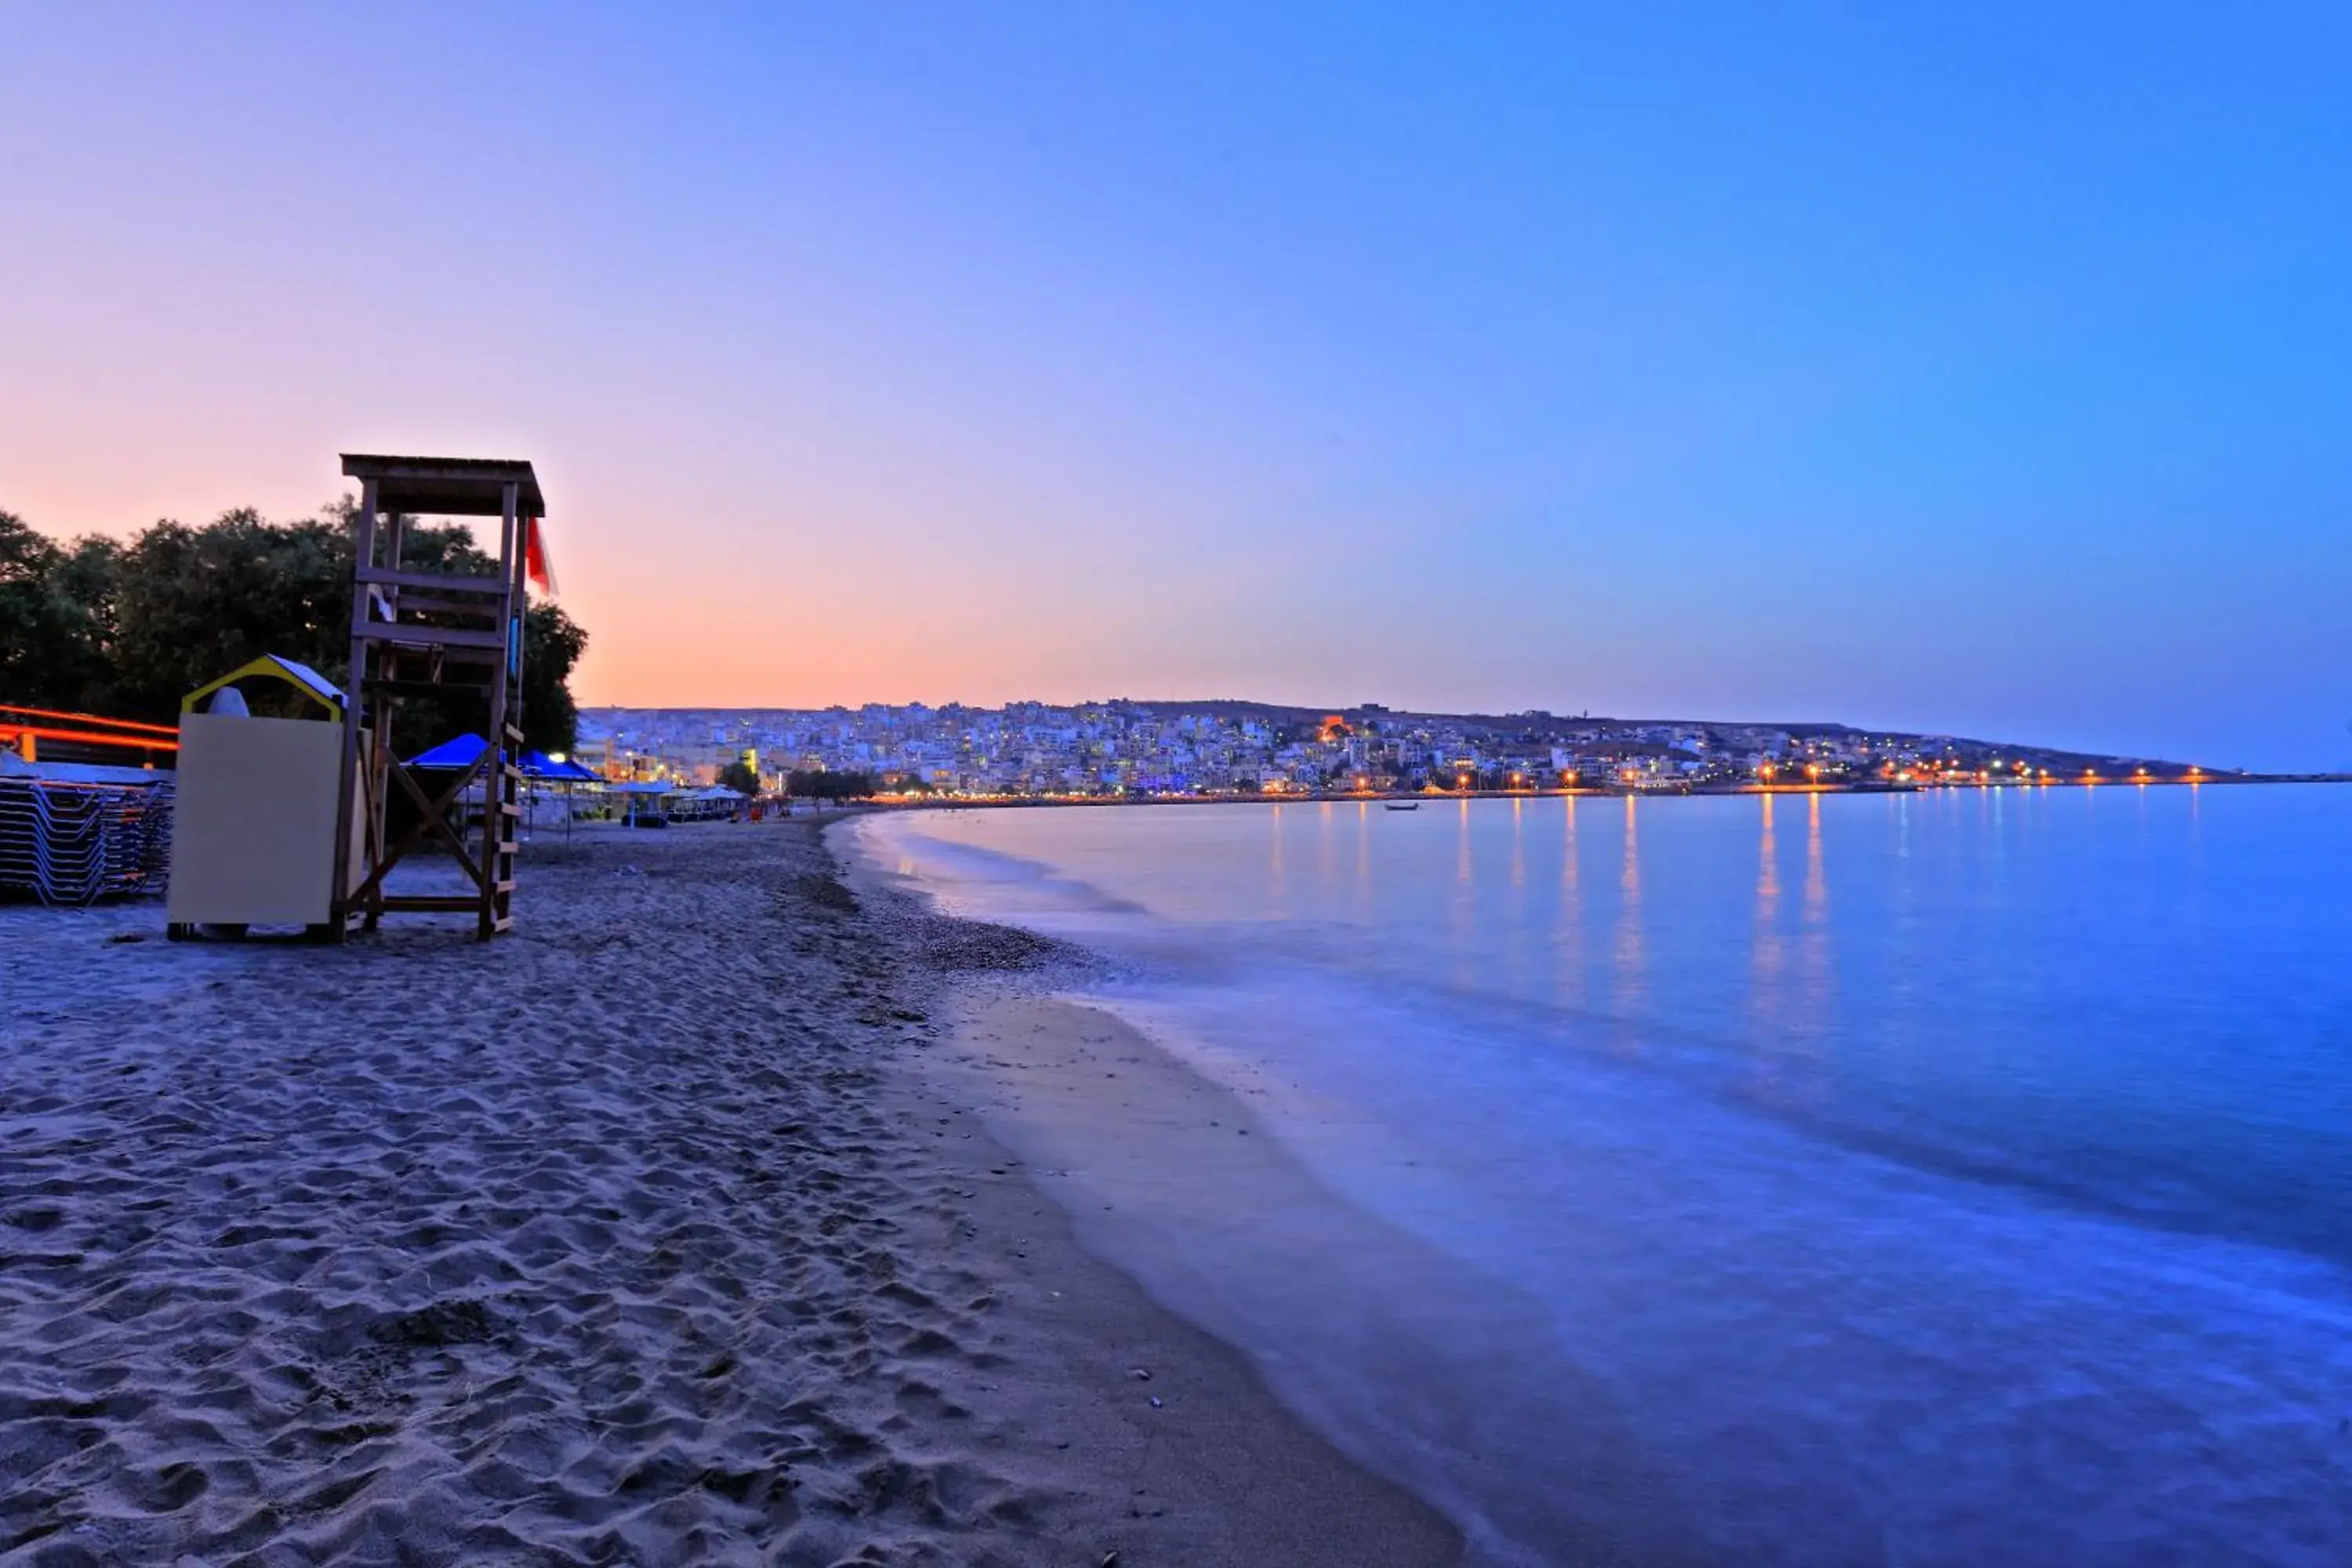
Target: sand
column 647, row 1234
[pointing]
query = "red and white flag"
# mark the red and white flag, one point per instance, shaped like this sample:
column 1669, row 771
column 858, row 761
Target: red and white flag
column 536, row 565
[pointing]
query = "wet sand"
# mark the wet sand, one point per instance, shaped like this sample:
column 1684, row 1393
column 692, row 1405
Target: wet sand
column 1374, row 1335
column 641, row 1236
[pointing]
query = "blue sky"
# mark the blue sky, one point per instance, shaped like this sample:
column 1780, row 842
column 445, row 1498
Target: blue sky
column 1982, row 371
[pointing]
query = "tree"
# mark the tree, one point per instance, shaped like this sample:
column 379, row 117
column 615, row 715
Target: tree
column 49, row 656
column 128, row 629
column 825, row 784
column 89, row 579
column 553, row 643
column 191, row 604
column 738, row 776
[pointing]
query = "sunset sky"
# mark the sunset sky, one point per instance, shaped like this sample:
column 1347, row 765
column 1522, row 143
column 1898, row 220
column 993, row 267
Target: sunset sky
column 1986, row 371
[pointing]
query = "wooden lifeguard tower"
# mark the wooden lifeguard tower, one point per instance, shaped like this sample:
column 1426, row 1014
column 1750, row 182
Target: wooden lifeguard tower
column 432, row 634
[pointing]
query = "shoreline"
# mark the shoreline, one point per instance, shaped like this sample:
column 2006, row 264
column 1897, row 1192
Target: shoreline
column 1772, row 1285
column 1175, row 1179
column 636, row 1234
column 1222, row 1441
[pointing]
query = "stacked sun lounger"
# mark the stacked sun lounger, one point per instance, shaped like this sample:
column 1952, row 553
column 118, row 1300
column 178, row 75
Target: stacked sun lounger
column 69, row 842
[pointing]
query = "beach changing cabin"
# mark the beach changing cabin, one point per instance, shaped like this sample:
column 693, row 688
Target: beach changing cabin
column 253, row 830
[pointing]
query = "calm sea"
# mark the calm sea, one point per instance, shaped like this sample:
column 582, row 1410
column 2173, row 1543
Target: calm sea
column 1963, row 1177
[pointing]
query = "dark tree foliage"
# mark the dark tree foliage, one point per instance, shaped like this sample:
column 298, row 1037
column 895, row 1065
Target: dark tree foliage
column 127, row 630
column 51, row 617
column 738, row 776
column 195, row 603
column 825, row 783
column 553, row 643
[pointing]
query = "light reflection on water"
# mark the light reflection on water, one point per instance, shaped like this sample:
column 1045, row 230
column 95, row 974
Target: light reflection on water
column 1630, row 959
column 1970, row 954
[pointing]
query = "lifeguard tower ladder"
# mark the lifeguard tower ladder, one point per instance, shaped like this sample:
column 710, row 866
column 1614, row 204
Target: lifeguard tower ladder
column 431, row 634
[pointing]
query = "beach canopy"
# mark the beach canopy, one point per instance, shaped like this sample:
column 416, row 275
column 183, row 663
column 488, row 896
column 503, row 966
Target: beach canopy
column 539, row 765
column 464, row 750
column 456, row 751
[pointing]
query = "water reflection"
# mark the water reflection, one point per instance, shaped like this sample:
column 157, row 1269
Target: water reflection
column 1789, row 978
column 1769, row 953
column 1518, row 932
column 1817, row 887
column 1363, row 858
column 1768, row 958
column 1273, row 860
column 1570, row 936
column 1463, row 932
column 1628, row 958
column 1810, row 996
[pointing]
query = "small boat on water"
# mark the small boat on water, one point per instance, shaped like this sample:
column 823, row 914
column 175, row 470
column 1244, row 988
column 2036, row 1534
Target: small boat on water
column 1402, row 804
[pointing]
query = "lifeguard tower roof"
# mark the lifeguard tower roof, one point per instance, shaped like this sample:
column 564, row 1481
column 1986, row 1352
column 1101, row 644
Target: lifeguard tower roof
column 447, row 487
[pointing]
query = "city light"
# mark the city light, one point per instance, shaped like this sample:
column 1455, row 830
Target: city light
column 1142, row 751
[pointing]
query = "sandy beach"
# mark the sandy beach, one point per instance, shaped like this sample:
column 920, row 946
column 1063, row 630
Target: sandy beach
column 648, row 1234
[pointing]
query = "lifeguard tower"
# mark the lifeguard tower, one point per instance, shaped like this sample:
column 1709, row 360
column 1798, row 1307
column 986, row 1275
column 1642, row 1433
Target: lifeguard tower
column 431, row 634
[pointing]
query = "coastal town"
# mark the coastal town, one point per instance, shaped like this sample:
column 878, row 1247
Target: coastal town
column 1142, row 750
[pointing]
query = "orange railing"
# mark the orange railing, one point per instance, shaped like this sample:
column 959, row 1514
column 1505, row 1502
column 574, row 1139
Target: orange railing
column 92, row 729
